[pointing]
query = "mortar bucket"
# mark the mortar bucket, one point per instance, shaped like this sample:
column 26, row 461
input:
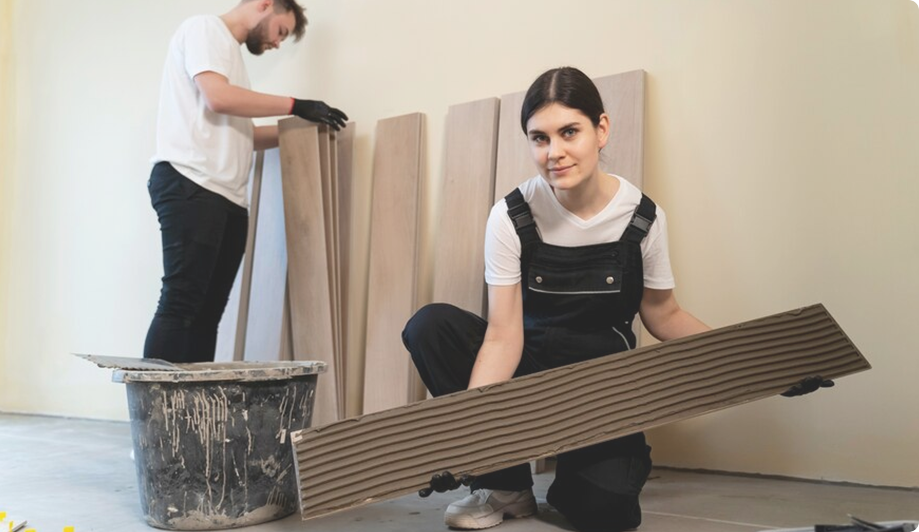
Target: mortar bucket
column 211, row 442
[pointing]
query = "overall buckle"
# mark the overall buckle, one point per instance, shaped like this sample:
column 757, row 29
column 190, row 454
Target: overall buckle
column 641, row 223
column 522, row 219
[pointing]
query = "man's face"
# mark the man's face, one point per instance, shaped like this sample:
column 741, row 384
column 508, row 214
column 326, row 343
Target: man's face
column 270, row 32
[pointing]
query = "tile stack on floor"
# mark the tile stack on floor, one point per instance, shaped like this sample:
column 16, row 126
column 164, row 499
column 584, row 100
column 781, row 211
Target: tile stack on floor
column 263, row 322
column 310, row 174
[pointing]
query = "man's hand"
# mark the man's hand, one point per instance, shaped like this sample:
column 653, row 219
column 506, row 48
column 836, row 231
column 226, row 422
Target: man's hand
column 441, row 482
column 316, row 111
column 808, row 385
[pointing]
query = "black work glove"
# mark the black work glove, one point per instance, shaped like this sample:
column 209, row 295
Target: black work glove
column 316, row 111
column 808, row 385
column 441, row 482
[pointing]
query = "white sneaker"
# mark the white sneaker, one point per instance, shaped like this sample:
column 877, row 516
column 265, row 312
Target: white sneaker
column 487, row 508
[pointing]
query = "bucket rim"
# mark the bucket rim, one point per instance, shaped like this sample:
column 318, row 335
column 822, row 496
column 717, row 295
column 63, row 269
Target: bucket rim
column 224, row 371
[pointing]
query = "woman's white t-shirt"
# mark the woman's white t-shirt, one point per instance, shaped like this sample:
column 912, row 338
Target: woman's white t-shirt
column 558, row 226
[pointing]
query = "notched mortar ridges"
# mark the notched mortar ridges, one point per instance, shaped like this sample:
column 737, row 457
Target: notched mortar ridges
column 417, row 482
column 808, row 337
column 625, row 366
column 580, row 395
column 399, row 468
column 396, row 432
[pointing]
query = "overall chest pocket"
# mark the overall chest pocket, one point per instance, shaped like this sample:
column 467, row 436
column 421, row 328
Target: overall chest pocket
column 576, row 278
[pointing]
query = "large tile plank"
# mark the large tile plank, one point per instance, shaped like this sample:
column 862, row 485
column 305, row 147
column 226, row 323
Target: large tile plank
column 387, row 454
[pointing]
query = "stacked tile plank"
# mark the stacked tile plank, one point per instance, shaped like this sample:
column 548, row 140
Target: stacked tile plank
column 257, row 322
column 466, row 199
column 390, row 378
column 251, row 327
column 310, row 174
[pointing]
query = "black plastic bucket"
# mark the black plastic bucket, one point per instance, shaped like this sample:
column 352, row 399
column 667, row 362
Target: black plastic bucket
column 211, row 442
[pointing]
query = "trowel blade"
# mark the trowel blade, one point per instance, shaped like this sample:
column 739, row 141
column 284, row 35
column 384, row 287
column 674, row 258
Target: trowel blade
column 151, row 364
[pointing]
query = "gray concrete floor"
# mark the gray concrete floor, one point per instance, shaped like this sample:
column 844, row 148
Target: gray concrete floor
column 56, row 472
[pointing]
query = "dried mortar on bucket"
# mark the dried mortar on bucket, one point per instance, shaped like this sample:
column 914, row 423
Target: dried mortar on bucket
column 211, row 440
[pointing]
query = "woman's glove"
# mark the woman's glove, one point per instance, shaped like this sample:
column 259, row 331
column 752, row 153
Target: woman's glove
column 808, row 385
column 441, row 482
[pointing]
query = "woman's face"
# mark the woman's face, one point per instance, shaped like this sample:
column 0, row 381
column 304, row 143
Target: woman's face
column 565, row 145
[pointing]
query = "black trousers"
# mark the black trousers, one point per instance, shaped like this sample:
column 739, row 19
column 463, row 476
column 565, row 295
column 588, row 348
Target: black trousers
column 204, row 237
column 595, row 488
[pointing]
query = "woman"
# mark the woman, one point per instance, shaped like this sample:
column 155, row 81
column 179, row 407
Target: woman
column 570, row 257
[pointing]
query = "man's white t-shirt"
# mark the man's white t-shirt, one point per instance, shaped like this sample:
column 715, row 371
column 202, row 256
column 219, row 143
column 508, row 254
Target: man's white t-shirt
column 558, row 226
column 213, row 150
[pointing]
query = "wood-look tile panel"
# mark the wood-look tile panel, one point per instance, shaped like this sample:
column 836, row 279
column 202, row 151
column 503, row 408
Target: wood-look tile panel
column 264, row 341
column 466, row 199
column 245, row 292
column 335, row 253
column 329, row 213
column 624, row 100
column 308, row 276
column 392, row 453
column 514, row 163
column 345, row 155
column 390, row 378
column 227, row 346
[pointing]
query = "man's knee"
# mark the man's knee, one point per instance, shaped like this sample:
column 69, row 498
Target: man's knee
column 180, row 304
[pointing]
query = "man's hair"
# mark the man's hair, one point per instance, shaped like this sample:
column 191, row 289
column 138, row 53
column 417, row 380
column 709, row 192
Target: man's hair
column 291, row 6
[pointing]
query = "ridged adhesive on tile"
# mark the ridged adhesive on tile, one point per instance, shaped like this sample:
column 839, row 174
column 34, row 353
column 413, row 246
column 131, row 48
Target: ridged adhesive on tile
column 394, row 452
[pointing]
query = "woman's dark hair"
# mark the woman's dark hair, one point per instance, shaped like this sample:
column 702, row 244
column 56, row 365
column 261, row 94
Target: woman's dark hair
column 567, row 86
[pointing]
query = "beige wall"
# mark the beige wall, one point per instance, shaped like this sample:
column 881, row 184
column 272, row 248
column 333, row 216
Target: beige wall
column 780, row 139
column 7, row 164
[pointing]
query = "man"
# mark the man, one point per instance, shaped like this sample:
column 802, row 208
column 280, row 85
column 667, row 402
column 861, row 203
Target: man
column 205, row 140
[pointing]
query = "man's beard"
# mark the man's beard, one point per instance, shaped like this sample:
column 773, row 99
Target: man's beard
column 257, row 38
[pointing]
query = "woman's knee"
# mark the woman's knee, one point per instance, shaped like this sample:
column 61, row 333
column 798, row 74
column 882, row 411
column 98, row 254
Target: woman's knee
column 611, row 513
column 427, row 325
column 593, row 509
column 597, row 492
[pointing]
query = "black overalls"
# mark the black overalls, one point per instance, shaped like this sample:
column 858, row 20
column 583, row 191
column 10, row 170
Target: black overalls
column 578, row 303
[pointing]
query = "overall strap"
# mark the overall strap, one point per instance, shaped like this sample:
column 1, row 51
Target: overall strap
column 641, row 222
column 519, row 212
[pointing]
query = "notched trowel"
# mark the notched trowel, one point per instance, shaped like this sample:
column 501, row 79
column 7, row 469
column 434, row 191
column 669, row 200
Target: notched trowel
column 128, row 363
